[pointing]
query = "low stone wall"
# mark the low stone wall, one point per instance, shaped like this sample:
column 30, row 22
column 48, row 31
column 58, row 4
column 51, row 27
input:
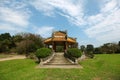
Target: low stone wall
column 47, row 59
column 71, row 59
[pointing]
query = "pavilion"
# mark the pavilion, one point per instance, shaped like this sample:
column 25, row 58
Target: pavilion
column 60, row 38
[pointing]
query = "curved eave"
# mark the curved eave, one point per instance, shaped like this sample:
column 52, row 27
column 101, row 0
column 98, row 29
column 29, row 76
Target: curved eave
column 48, row 40
column 71, row 40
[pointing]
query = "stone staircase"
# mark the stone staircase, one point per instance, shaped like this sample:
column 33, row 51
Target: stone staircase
column 59, row 59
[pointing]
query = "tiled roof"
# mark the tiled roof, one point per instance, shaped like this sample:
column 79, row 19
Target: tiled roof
column 59, row 39
column 60, row 36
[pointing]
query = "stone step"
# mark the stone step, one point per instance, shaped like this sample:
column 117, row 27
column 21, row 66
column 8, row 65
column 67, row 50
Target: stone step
column 59, row 59
column 58, row 64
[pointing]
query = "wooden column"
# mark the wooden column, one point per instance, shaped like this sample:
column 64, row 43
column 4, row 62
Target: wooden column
column 54, row 46
column 48, row 45
column 66, row 46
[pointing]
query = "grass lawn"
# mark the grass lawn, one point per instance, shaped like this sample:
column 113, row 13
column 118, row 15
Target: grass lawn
column 102, row 67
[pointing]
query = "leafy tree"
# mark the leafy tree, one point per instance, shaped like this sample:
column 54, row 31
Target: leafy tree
column 25, row 46
column 90, row 47
column 5, row 36
column 89, row 50
column 17, row 38
column 118, row 49
column 28, row 42
column 109, row 48
column 97, row 51
column 119, row 43
column 82, row 47
column 6, row 42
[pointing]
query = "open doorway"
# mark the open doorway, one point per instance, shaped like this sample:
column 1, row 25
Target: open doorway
column 59, row 48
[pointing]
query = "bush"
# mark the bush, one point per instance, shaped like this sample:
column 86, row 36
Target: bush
column 90, row 54
column 74, row 52
column 32, row 56
column 42, row 53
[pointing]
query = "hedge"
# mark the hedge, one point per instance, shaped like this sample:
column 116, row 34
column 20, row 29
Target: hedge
column 43, row 52
column 74, row 52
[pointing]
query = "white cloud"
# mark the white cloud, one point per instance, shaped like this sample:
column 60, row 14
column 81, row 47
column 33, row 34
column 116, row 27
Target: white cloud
column 110, row 6
column 4, row 27
column 72, row 9
column 14, row 16
column 43, row 6
column 44, row 31
column 105, row 26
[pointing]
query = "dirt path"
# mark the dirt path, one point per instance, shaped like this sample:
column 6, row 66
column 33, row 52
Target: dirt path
column 13, row 57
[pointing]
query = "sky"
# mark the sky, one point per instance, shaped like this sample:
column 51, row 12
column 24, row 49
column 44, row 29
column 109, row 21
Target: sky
column 90, row 21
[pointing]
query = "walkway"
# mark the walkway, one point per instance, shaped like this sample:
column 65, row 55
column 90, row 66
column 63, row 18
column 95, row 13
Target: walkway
column 59, row 61
column 14, row 57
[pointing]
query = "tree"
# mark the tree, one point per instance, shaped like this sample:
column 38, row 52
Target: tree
column 6, row 42
column 5, row 36
column 17, row 38
column 82, row 47
column 119, row 43
column 109, row 48
column 28, row 42
column 90, row 47
column 118, row 50
column 89, row 50
column 25, row 46
column 97, row 51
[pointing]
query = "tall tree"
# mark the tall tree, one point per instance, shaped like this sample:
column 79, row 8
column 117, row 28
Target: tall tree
column 82, row 47
column 109, row 48
column 97, row 50
column 28, row 42
column 6, row 42
column 119, row 43
column 90, row 47
column 89, row 50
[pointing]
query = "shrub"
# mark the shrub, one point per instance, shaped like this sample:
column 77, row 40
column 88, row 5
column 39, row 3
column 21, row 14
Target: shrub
column 42, row 53
column 90, row 54
column 74, row 52
column 32, row 56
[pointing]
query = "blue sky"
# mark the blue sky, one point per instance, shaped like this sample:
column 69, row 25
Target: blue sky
column 90, row 21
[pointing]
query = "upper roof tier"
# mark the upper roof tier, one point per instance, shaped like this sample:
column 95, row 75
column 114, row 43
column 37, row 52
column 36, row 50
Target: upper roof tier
column 59, row 36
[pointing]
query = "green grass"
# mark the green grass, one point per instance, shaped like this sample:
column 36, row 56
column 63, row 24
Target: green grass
column 102, row 67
